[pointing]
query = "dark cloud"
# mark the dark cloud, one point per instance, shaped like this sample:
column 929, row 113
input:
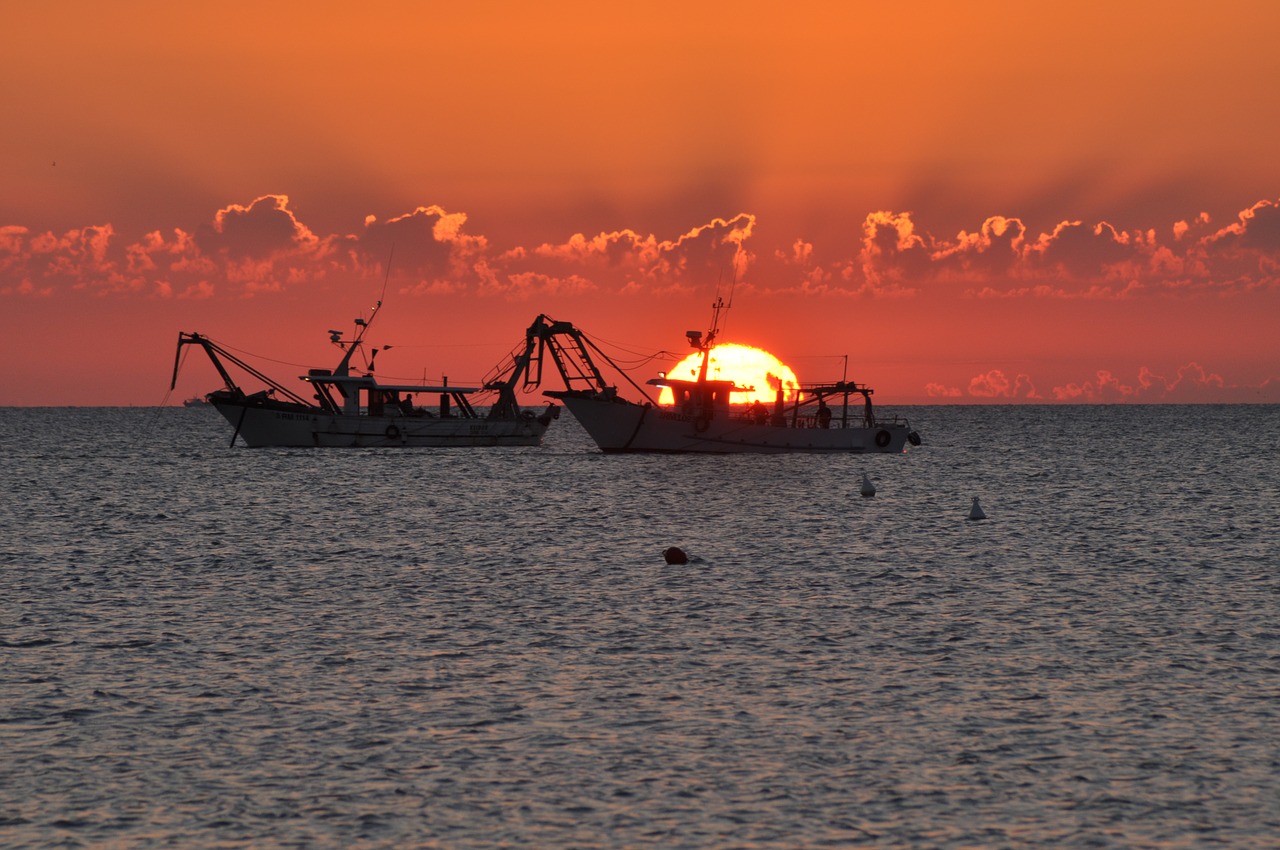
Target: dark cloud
column 1083, row 251
column 1256, row 229
column 428, row 245
column 264, row 229
column 994, row 250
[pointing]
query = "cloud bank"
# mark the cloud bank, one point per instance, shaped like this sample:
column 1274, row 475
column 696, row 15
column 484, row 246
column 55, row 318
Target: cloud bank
column 263, row 246
column 260, row 247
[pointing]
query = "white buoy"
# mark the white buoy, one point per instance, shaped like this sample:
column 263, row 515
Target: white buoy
column 975, row 512
column 868, row 489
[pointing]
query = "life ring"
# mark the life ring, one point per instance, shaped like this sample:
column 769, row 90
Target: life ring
column 883, row 438
column 393, row 432
column 701, row 422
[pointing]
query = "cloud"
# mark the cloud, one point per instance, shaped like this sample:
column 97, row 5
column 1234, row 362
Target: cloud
column 699, row 257
column 1191, row 383
column 892, row 252
column 1105, row 388
column 79, row 259
column 26, row 288
column 1084, row 252
column 995, row 249
column 429, row 245
column 1073, row 259
column 258, row 247
column 1256, row 229
column 996, row 384
column 999, row 260
column 525, row 285
column 264, row 229
column 265, row 246
column 198, row 291
column 261, row 247
column 936, row 390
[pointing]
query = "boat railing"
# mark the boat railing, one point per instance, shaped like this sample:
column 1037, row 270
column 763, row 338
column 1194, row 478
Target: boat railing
column 744, row 416
column 806, row 421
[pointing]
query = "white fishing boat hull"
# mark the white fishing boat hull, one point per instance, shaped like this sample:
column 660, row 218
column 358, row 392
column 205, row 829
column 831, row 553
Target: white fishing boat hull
column 620, row 426
column 260, row 427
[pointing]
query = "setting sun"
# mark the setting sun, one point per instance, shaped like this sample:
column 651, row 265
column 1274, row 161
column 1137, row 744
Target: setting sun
column 745, row 365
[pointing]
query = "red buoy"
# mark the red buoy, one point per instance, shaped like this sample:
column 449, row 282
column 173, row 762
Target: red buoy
column 675, row 555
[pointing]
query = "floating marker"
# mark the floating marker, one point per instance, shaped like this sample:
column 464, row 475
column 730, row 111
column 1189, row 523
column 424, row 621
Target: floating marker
column 975, row 512
column 675, row 555
column 868, row 489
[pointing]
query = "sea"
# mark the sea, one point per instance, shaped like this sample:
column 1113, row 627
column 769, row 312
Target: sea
column 208, row 646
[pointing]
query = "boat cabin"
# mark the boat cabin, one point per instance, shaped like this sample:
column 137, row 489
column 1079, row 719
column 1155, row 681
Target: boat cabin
column 351, row 394
column 693, row 397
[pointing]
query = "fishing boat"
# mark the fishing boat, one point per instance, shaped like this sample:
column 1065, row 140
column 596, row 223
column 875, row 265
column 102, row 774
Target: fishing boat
column 830, row 417
column 349, row 407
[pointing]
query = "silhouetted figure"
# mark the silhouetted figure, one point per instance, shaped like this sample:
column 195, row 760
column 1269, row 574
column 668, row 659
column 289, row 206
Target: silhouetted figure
column 824, row 415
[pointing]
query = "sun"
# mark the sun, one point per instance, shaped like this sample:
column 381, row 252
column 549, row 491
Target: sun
column 745, row 365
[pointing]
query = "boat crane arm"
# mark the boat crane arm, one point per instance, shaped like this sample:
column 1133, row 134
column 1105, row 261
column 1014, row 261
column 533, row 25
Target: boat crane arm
column 213, row 350
column 185, row 339
column 571, row 353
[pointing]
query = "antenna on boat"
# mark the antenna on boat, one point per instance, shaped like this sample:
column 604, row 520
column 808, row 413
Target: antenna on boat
column 362, row 326
column 386, row 278
column 720, row 306
column 373, row 314
column 716, row 308
column 733, row 281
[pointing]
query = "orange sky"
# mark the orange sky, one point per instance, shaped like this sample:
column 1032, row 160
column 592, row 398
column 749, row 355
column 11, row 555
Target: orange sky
column 975, row 202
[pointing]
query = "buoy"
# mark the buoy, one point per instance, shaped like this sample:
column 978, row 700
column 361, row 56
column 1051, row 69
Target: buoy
column 975, row 512
column 675, row 555
column 868, row 489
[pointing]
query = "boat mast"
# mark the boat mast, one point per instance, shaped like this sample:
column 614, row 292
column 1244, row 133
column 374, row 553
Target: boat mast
column 350, row 346
column 705, row 345
column 344, row 367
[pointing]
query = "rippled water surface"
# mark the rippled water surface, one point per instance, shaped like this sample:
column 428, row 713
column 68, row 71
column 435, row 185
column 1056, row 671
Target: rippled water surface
column 203, row 646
